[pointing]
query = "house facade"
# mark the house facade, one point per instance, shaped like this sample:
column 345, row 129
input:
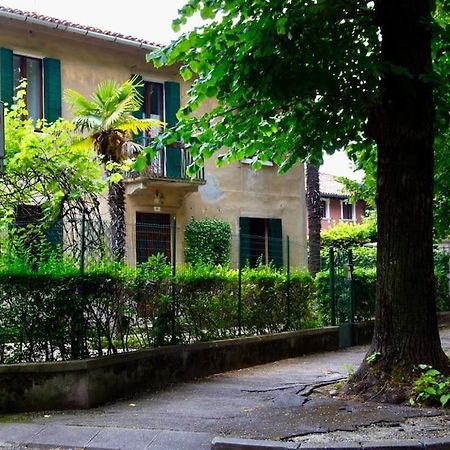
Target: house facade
column 262, row 207
column 334, row 203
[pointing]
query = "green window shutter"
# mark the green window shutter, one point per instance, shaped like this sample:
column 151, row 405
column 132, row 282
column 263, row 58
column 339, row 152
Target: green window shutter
column 52, row 89
column 244, row 241
column 172, row 105
column 139, row 113
column 55, row 234
column 275, row 234
column 6, row 75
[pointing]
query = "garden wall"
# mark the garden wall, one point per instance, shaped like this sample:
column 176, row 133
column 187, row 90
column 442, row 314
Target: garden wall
column 92, row 382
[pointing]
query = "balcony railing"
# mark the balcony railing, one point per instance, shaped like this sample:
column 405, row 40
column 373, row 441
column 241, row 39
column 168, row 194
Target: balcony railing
column 169, row 163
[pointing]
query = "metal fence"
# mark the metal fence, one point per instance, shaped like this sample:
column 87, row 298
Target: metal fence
column 62, row 296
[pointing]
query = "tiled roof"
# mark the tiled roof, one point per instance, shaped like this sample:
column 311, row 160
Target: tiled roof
column 330, row 186
column 65, row 25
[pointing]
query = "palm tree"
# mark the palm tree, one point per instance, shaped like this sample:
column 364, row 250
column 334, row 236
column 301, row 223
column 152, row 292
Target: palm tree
column 107, row 122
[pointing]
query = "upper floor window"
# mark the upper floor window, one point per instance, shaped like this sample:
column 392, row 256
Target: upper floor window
column 31, row 69
column 325, row 208
column 153, row 107
column 347, row 210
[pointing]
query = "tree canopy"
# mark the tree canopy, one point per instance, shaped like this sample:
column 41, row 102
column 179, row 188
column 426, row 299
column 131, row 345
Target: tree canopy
column 296, row 78
column 292, row 79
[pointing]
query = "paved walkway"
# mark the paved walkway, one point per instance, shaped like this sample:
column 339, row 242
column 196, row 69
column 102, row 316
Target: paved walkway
column 265, row 402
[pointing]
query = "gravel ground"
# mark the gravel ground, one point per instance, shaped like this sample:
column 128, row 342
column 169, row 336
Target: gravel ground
column 415, row 428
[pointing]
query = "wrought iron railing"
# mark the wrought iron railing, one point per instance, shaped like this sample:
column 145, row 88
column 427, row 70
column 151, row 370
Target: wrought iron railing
column 168, row 165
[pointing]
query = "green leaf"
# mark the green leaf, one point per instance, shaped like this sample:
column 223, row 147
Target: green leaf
column 444, row 399
column 185, row 73
column 116, row 177
column 281, row 25
column 211, row 91
column 140, row 163
column 430, row 390
column 176, row 26
column 207, row 13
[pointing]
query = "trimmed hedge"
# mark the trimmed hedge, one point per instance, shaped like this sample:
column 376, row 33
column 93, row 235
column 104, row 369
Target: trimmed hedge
column 364, row 296
column 47, row 317
column 347, row 235
column 365, row 284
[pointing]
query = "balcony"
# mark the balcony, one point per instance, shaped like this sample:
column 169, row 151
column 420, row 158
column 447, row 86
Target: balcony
column 167, row 168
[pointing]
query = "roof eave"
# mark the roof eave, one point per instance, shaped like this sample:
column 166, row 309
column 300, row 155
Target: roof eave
column 75, row 30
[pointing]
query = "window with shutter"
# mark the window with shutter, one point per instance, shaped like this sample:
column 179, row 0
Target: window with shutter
column 173, row 152
column 52, row 89
column 6, row 75
column 30, row 69
column 261, row 241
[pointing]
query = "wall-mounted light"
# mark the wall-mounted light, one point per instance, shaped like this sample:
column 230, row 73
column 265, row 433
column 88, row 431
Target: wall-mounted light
column 159, row 198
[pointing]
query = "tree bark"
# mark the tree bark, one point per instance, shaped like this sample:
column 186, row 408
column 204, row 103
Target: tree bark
column 406, row 332
column 116, row 203
column 314, row 218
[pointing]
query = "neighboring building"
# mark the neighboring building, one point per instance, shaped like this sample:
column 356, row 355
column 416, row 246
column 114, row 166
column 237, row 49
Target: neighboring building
column 334, row 204
column 262, row 206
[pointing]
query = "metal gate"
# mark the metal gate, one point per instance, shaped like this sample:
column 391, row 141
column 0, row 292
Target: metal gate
column 342, row 303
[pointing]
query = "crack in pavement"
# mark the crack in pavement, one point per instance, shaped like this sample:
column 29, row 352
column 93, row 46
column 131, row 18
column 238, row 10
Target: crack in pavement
column 350, row 428
column 278, row 388
column 309, row 389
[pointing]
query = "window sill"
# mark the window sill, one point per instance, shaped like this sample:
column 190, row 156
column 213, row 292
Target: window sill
column 249, row 161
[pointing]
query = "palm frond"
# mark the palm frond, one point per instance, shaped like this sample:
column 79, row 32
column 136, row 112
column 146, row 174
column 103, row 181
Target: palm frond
column 78, row 103
column 135, row 125
column 83, row 142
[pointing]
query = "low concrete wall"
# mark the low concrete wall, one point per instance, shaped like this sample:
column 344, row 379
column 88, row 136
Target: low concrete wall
column 92, row 382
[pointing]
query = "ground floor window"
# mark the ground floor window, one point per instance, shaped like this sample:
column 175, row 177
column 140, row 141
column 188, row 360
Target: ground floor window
column 261, row 241
column 153, row 235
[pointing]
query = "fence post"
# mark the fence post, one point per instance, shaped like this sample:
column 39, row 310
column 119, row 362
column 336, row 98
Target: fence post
column 332, row 287
column 352, row 291
column 240, row 290
column 174, row 273
column 288, row 283
column 82, row 241
column 79, row 344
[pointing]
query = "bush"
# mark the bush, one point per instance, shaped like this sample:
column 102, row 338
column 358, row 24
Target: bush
column 364, row 295
column 55, row 314
column 207, row 241
column 364, row 260
column 441, row 271
column 346, row 235
column 365, row 257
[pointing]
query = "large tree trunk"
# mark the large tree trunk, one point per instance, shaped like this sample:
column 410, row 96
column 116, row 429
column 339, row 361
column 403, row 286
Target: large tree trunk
column 406, row 332
column 116, row 203
column 314, row 218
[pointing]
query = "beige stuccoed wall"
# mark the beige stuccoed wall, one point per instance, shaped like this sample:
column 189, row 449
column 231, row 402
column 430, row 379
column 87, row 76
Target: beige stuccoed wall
column 237, row 191
column 229, row 193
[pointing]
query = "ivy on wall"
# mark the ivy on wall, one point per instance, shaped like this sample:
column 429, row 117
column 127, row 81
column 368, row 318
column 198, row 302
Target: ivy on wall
column 207, row 241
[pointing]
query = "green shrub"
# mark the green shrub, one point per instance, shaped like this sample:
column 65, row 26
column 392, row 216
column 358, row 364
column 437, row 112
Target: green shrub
column 365, row 257
column 57, row 314
column 207, row 241
column 431, row 388
column 364, row 295
column 441, row 271
column 345, row 235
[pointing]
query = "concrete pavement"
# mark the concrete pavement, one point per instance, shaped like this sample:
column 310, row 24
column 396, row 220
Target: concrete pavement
column 272, row 401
